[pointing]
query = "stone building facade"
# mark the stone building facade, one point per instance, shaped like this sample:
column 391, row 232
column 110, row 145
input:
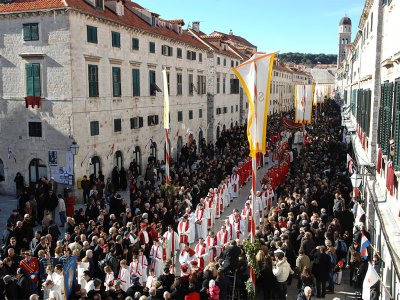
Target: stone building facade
column 367, row 80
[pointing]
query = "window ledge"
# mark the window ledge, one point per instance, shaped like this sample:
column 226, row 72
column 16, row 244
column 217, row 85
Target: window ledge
column 93, row 58
column 387, row 63
column 135, row 63
column 32, row 55
column 396, row 58
column 115, row 61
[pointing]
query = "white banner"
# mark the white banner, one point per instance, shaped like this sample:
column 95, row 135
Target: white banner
column 303, row 103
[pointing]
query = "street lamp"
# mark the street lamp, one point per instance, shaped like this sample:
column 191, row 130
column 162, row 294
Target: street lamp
column 74, row 148
column 356, row 180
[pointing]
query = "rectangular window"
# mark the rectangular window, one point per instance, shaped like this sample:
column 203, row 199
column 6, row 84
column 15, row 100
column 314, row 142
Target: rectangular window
column 179, row 84
column 115, row 39
column 218, row 60
column 200, row 57
column 152, row 120
column 218, row 110
column 201, row 84
column 31, row 32
column 117, row 125
column 91, row 34
column 179, row 52
column 225, row 109
column 190, row 84
column 116, row 79
column 152, row 47
column 94, row 128
column 190, row 114
column 180, row 116
column 218, row 84
column 99, row 4
column 191, row 55
column 166, row 50
column 237, row 107
column 235, row 86
column 136, row 122
column 35, row 129
column 232, row 63
column 152, row 83
column 135, row 82
column 168, row 84
column 33, row 81
column 224, row 85
column 200, row 113
column 224, row 62
column 135, row 44
column 231, row 109
column 93, row 71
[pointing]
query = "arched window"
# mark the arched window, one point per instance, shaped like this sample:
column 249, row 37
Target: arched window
column 37, row 169
column 118, row 159
column 344, row 28
column 95, row 166
column 218, row 132
column 2, row 175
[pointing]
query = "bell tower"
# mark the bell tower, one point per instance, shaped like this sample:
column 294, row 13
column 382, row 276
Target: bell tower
column 344, row 38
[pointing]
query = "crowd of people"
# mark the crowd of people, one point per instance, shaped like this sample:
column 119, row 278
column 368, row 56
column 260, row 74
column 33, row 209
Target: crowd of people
column 162, row 242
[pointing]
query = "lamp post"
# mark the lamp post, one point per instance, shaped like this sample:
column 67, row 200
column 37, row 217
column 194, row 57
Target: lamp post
column 74, row 150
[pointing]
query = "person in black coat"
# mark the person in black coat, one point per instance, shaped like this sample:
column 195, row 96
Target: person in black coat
column 231, row 257
column 24, row 285
column 10, row 287
column 320, row 269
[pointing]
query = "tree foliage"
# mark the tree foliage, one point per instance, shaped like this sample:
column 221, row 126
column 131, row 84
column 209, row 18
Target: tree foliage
column 308, row 58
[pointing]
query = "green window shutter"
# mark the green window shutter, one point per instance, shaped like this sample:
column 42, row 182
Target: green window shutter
column 37, row 83
column 27, row 32
column 93, row 79
column 34, row 32
column 116, row 78
column 136, row 82
column 387, row 114
column 152, row 82
column 29, row 79
column 92, row 34
column 397, row 140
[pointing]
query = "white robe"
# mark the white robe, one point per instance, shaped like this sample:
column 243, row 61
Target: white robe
column 135, row 270
column 185, row 258
column 172, row 243
column 202, row 253
column 235, row 185
column 125, row 277
column 258, row 211
column 192, row 229
column 184, row 231
column 223, row 237
column 156, row 260
column 143, row 262
column 201, row 222
column 213, row 247
column 238, row 229
column 108, row 280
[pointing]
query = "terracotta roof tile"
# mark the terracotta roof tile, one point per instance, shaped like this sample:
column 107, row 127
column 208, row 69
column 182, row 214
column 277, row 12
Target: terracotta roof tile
column 29, row 5
column 236, row 38
column 129, row 18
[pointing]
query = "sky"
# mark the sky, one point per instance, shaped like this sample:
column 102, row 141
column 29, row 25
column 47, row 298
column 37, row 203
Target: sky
column 309, row 26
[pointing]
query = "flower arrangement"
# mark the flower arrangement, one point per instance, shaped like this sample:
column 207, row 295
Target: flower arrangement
column 339, row 266
column 251, row 250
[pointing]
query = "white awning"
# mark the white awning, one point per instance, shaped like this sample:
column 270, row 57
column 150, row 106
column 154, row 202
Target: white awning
column 359, row 152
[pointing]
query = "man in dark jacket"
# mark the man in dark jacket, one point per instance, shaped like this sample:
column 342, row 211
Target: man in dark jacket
column 10, row 287
column 231, row 257
column 320, row 269
column 24, row 284
column 305, row 294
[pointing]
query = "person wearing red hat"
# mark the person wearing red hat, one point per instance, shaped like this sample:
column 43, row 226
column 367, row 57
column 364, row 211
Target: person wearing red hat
column 144, row 239
column 153, row 232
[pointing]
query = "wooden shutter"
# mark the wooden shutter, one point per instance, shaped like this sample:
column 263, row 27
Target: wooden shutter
column 34, row 32
column 140, row 122
column 152, row 81
column 29, row 79
column 136, row 82
column 37, row 84
column 27, row 32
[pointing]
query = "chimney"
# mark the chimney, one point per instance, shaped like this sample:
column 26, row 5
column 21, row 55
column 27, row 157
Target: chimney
column 230, row 32
column 196, row 26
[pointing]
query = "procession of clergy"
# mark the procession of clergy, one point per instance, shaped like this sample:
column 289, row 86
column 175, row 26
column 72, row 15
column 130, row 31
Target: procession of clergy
column 196, row 226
